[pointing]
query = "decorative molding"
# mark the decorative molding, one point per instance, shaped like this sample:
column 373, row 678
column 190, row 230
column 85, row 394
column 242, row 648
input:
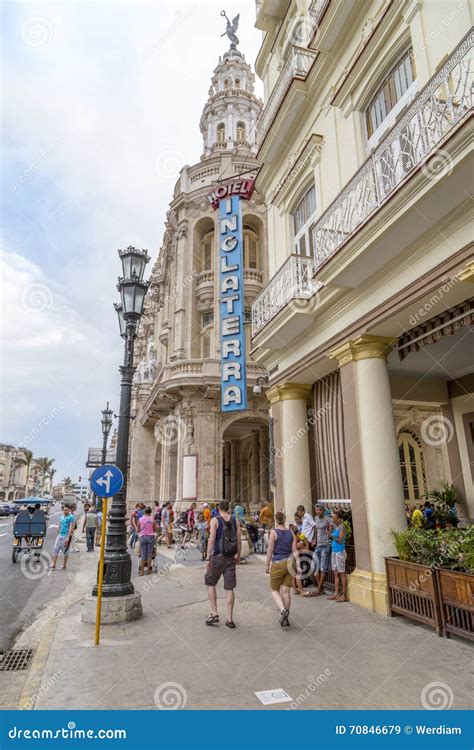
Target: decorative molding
column 467, row 274
column 363, row 347
column 288, row 392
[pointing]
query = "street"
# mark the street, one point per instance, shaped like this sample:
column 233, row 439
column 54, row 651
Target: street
column 22, row 596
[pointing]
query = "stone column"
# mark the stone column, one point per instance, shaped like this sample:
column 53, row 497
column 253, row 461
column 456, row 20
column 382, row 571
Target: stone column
column 293, row 486
column 227, row 471
column 264, row 485
column 371, row 443
column 234, row 469
column 255, row 468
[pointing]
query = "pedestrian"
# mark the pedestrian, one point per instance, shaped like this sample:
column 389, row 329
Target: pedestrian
column 202, row 528
column 90, row 527
column 281, row 555
column 206, row 512
column 214, row 510
column 322, row 552
column 239, row 512
column 63, row 539
column 98, row 532
column 223, row 554
column 265, row 517
column 190, row 522
column 166, row 525
column 338, row 557
column 429, row 515
column 133, row 527
column 147, row 531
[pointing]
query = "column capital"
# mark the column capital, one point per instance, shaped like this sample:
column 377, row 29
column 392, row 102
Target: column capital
column 363, row 347
column 288, row 392
column 467, row 274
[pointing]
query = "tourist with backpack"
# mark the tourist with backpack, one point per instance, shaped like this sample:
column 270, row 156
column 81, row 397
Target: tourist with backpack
column 223, row 554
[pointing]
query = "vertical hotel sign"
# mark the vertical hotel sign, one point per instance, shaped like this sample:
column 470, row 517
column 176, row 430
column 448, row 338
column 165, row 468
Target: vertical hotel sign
column 227, row 198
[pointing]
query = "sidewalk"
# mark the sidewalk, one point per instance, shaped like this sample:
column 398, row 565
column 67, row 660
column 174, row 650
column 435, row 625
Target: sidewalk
column 333, row 655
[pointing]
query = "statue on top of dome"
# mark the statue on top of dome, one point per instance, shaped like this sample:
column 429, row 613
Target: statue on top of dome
column 231, row 28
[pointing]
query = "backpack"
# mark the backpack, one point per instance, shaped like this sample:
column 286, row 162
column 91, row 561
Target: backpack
column 183, row 518
column 158, row 515
column 228, row 543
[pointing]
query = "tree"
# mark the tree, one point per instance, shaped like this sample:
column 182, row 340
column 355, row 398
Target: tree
column 26, row 460
column 67, row 482
column 51, row 474
column 44, row 466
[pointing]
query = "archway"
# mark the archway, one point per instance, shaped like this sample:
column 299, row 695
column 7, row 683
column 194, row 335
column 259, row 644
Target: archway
column 245, row 460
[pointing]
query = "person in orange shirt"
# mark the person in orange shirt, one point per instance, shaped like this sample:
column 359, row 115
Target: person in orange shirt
column 266, row 516
column 206, row 511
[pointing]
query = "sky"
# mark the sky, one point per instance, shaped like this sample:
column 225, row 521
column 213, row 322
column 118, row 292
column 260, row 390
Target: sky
column 101, row 108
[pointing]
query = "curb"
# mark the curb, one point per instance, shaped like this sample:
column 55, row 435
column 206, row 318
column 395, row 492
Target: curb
column 32, row 686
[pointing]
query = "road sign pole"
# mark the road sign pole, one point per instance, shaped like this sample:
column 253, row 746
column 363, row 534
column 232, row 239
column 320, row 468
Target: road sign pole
column 101, row 572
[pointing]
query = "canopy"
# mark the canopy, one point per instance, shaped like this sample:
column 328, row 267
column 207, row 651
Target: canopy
column 32, row 501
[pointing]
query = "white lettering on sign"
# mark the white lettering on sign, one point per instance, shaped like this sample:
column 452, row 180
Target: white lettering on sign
column 225, row 268
column 232, row 395
column 231, row 326
column 231, row 369
column 230, row 282
column 229, row 243
column 231, row 346
column 229, row 302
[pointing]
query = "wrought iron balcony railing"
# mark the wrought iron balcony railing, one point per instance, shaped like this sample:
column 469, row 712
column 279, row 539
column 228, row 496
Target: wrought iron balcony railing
column 297, row 66
column 292, row 282
column 438, row 109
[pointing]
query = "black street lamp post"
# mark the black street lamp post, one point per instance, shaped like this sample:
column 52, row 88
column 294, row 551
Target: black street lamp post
column 117, row 562
column 106, row 425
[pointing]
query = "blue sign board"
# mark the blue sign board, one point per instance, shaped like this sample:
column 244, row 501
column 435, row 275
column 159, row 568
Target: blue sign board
column 106, row 481
column 231, row 285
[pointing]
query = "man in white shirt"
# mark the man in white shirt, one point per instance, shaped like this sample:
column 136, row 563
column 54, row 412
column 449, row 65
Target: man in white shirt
column 308, row 524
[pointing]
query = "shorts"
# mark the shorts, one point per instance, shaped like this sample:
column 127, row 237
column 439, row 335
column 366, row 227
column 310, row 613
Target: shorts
column 221, row 566
column 279, row 575
column 338, row 562
column 321, row 558
column 60, row 546
column 146, row 547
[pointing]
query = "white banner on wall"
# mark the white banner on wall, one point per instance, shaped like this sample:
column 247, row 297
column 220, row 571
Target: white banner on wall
column 189, row 477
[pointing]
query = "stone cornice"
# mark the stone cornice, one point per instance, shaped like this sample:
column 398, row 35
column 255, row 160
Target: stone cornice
column 363, row 347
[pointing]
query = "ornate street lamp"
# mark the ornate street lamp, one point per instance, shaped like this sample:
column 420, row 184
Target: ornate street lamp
column 132, row 288
column 106, row 422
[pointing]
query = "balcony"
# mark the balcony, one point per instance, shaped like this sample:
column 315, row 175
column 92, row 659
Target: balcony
column 439, row 109
column 293, row 285
column 296, row 68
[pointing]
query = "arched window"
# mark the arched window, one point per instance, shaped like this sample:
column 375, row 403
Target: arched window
column 250, row 248
column 412, row 464
column 207, row 251
column 303, row 222
column 226, row 83
column 241, row 131
column 221, row 133
column 237, row 83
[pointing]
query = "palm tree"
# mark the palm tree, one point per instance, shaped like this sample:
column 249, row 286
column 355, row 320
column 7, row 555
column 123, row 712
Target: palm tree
column 51, row 474
column 25, row 460
column 44, row 465
column 67, row 482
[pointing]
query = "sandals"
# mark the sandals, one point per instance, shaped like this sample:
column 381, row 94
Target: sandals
column 212, row 620
column 230, row 624
column 285, row 618
column 310, row 593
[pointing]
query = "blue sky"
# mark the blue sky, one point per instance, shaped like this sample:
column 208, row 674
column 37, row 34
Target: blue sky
column 101, row 105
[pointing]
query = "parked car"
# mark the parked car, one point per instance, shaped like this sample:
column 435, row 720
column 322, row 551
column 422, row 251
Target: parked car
column 4, row 509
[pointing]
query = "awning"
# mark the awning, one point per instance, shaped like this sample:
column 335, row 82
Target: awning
column 434, row 329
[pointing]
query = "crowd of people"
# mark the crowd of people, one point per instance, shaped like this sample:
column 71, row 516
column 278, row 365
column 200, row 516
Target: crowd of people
column 298, row 554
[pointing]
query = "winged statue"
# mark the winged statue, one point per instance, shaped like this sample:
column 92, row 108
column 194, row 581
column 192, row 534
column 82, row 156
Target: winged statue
column 231, row 28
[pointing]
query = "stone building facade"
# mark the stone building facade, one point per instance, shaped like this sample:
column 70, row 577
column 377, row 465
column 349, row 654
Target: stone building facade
column 365, row 325
column 183, row 447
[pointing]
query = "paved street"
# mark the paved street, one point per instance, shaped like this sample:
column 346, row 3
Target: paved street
column 22, row 597
column 332, row 656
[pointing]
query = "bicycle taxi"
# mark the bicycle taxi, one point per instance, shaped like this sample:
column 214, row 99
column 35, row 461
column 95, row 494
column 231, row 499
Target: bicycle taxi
column 30, row 526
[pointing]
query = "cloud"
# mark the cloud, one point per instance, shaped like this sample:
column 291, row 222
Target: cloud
column 99, row 94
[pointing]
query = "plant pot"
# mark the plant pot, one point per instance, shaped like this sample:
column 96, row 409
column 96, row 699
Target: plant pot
column 456, row 594
column 413, row 592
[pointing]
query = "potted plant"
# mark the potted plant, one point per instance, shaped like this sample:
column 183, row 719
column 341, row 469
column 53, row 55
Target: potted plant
column 444, row 501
